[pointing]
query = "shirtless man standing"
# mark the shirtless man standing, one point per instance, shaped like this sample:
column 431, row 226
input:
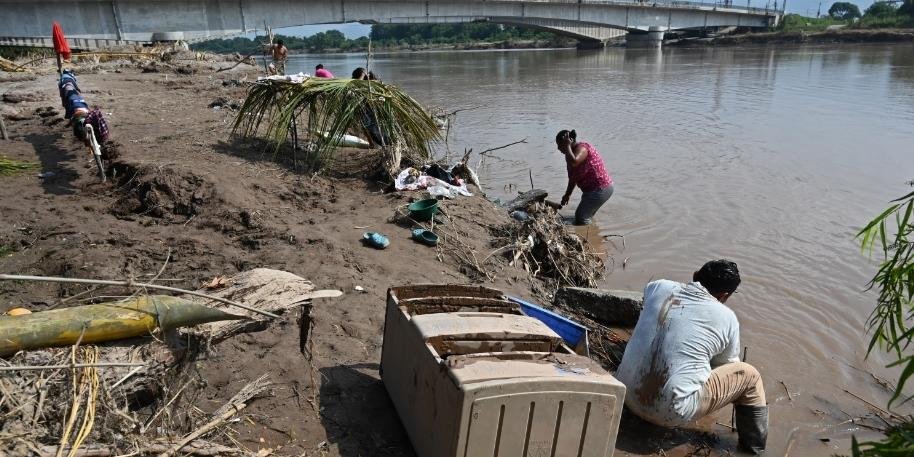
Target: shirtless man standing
column 280, row 55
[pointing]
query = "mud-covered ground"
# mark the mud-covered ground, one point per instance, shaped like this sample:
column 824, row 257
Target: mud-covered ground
column 184, row 189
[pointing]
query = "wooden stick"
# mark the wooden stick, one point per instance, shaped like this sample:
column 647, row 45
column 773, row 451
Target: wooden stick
column 786, row 390
column 198, row 447
column 129, row 283
column 71, row 365
column 871, row 405
column 234, row 405
column 3, row 129
column 502, row 147
column 132, row 372
column 530, row 170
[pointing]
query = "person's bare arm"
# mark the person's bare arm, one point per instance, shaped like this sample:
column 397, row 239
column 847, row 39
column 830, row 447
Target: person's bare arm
column 568, row 190
column 576, row 155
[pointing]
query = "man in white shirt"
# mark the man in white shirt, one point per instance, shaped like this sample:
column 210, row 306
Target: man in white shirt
column 682, row 362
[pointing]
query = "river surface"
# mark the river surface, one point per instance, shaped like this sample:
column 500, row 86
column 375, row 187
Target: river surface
column 773, row 158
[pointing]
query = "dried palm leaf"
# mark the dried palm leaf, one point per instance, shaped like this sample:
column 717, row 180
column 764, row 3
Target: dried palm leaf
column 335, row 106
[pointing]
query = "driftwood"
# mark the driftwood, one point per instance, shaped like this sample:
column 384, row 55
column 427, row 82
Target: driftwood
column 524, row 200
column 33, row 400
column 546, row 247
column 269, row 290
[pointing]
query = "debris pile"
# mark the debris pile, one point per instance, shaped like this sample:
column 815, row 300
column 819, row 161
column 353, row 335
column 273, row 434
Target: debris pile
column 543, row 245
column 140, row 396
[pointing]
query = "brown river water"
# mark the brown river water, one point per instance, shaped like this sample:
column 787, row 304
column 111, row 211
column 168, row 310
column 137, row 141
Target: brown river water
column 772, row 157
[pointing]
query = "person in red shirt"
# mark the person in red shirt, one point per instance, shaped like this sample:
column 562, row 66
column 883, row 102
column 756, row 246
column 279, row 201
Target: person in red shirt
column 587, row 171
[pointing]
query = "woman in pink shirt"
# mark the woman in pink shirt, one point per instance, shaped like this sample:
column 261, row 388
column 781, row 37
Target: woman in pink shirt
column 587, row 171
column 321, row 72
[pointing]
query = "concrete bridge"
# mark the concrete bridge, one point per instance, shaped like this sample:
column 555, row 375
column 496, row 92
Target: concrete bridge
column 592, row 21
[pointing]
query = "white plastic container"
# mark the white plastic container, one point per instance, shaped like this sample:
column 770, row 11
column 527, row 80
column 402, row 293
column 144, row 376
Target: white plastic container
column 485, row 380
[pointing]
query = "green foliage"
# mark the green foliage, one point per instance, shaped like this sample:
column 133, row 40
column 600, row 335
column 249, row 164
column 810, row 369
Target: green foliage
column 241, row 45
column 335, row 106
column 452, row 33
column 880, row 9
column 385, row 36
column 886, row 15
column 797, row 23
column 907, row 8
column 844, row 11
column 881, row 22
column 892, row 233
column 9, row 167
column 899, row 441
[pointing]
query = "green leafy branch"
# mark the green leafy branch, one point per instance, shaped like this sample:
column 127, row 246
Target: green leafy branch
column 891, row 233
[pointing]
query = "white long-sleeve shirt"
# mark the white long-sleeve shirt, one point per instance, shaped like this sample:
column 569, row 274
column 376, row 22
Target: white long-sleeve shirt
column 681, row 334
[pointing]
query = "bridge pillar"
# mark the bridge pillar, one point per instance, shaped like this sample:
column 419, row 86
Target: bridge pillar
column 651, row 39
column 591, row 44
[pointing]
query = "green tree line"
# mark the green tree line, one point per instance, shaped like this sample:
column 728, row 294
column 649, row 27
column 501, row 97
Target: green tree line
column 880, row 14
column 387, row 36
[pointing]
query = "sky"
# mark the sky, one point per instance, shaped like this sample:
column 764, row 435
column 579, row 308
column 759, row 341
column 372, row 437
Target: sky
column 351, row 30
column 355, row 30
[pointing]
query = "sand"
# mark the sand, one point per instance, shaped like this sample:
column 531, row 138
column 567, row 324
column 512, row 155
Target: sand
column 187, row 195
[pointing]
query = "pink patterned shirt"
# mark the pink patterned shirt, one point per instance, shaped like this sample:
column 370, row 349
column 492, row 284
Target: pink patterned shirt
column 591, row 175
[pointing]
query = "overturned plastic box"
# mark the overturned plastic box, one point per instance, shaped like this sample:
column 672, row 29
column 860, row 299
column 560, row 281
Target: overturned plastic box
column 471, row 376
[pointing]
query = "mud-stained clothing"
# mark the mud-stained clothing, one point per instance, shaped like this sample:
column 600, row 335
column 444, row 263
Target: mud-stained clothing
column 682, row 334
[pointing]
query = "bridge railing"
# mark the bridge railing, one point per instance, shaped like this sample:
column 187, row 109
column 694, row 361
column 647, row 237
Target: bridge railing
column 771, row 7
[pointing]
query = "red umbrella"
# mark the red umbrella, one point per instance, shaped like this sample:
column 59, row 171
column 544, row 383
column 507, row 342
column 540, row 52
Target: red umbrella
column 60, row 43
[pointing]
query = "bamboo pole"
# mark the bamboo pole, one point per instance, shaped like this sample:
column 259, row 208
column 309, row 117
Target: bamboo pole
column 129, row 283
column 3, row 129
column 70, row 365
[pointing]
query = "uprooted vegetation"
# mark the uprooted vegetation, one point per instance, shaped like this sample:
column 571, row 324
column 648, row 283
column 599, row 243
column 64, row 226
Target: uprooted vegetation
column 142, row 396
column 547, row 248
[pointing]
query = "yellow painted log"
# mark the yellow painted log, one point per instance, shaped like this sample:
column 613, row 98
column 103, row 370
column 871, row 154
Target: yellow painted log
column 102, row 322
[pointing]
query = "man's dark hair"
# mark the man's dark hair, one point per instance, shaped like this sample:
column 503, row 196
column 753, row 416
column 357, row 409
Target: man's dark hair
column 719, row 276
column 280, row 43
column 319, row 66
column 358, row 73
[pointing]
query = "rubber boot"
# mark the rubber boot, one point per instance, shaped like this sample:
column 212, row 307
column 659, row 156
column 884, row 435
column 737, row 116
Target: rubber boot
column 752, row 427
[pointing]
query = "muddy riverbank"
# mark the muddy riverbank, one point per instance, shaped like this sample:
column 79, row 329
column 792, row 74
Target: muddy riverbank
column 189, row 202
column 851, row 36
column 221, row 205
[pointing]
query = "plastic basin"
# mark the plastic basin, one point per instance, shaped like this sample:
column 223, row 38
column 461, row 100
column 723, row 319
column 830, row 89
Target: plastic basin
column 574, row 334
column 423, row 210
